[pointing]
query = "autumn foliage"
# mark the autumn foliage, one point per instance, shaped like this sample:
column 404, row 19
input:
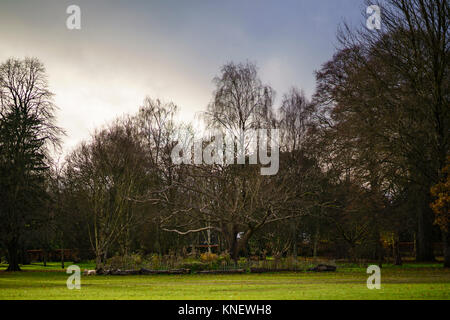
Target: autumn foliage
column 441, row 206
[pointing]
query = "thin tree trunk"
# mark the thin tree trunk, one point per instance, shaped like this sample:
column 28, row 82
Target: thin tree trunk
column 62, row 250
column 446, row 245
column 294, row 239
column 295, row 248
column 158, row 241
column 396, row 250
column 234, row 249
column 353, row 254
column 380, row 251
column 316, row 241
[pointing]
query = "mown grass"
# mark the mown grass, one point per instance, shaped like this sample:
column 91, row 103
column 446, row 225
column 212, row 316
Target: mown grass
column 424, row 281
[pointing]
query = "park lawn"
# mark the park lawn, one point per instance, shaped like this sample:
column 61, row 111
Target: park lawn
column 407, row 282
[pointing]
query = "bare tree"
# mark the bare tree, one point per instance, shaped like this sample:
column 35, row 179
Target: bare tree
column 106, row 175
column 236, row 201
column 240, row 102
column 296, row 115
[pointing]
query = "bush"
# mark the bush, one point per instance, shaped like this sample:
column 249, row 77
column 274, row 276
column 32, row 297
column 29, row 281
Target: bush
column 209, row 257
column 195, row 266
column 155, row 261
column 124, row 262
column 224, row 258
column 242, row 261
column 114, row 263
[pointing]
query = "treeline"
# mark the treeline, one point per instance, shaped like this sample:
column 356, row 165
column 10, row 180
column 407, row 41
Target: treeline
column 362, row 166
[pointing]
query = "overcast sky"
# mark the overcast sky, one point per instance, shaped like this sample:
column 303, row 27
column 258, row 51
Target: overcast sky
column 129, row 49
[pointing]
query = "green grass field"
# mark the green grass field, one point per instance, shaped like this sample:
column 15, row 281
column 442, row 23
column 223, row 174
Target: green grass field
column 412, row 281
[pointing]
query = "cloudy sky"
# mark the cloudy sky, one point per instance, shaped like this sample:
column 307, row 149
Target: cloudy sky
column 167, row 49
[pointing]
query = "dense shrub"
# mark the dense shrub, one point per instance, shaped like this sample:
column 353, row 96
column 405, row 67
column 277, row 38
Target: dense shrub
column 195, row 266
column 209, row 257
column 224, row 258
column 133, row 261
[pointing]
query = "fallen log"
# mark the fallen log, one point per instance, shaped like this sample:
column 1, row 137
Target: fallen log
column 132, row 272
column 101, row 271
column 118, row 272
column 173, row 271
column 236, row 271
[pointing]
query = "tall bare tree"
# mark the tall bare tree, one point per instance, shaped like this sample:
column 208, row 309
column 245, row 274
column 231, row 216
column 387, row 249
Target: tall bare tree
column 235, row 201
column 106, row 175
column 241, row 101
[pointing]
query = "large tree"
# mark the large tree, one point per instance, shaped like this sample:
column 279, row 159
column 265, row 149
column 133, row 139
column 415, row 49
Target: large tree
column 236, row 201
column 27, row 129
column 387, row 91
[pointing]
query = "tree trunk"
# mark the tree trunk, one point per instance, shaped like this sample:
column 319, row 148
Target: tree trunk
column 380, row 251
column 98, row 261
column 236, row 245
column 396, row 251
column 295, row 249
column 446, row 245
column 294, row 239
column 208, row 232
column 316, row 242
column 424, row 238
column 13, row 257
column 234, row 249
column 353, row 253
column 158, row 241
column 44, row 258
column 105, row 257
